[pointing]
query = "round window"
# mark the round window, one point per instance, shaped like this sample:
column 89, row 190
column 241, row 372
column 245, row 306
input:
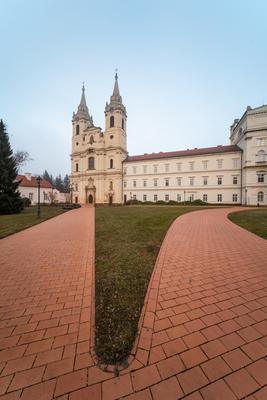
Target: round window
column 111, row 136
column 77, row 143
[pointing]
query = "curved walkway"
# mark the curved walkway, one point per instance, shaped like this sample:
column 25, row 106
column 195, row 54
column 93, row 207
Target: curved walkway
column 203, row 333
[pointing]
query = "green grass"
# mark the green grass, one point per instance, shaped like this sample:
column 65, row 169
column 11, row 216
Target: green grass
column 28, row 217
column 253, row 220
column 128, row 240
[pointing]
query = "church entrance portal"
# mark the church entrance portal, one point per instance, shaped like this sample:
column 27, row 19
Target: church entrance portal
column 90, row 199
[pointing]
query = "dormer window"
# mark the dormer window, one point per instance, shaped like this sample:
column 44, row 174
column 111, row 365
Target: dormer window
column 111, row 121
column 261, row 156
column 77, row 129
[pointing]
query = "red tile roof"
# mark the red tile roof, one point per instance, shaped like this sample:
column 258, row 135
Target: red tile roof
column 182, row 153
column 33, row 182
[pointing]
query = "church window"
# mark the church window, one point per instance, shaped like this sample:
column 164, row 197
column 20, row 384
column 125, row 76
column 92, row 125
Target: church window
column 179, row 181
column 261, row 142
column 91, row 163
column 155, row 197
column 191, row 165
column 260, row 156
column 205, row 164
column 219, row 180
column 122, row 123
column 112, row 121
column 167, row 167
column 260, row 196
column 167, row 182
column 205, row 180
column 235, row 180
column 111, row 185
column 219, row 164
column 191, row 181
column 234, row 197
column 76, row 187
column 144, row 197
column 167, row 197
column 219, row 198
column 205, row 197
column 134, row 183
column 260, row 178
column 91, row 141
column 111, row 163
column 179, row 197
column 77, row 129
column 76, row 167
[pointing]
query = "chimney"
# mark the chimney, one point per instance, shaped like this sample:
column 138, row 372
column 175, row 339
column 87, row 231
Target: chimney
column 28, row 176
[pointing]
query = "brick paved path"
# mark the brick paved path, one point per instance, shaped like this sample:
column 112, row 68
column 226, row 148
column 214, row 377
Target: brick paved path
column 203, row 334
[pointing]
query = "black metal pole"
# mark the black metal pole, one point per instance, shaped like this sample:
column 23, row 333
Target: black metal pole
column 38, row 205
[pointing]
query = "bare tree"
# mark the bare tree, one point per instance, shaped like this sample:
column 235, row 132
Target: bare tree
column 21, row 158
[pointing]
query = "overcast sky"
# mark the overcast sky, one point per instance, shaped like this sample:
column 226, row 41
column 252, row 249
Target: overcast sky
column 186, row 70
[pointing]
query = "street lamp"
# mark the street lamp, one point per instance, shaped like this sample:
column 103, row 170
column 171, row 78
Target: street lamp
column 38, row 179
column 246, row 196
column 130, row 198
column 184, row 197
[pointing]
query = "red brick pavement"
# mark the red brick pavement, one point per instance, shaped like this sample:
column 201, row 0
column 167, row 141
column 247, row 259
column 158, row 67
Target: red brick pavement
column 203, row 330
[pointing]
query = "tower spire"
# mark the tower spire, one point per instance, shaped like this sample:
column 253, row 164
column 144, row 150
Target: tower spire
column 115, row 99
column 83, row 112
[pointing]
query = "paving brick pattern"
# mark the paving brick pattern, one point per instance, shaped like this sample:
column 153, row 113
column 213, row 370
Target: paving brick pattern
column 203, row 330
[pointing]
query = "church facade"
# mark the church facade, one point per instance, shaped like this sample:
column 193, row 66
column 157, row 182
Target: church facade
column 102, row 172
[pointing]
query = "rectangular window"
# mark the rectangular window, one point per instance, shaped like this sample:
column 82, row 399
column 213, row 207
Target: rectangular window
column 191, row 165
column 179, row 197
column 191, row 181
column 134, row 170
column 155, row 168
column 205, row 180
column 144, row 169
column 191, row 197
column 205, row 197
column 155, row 182
column 77, row 167
column 134, row 183
column 179, row 166
column 134, row 197
column 167, row 167
column 167, row 182
column 205, row 164
column 144, row 197
column 235, row 180
column 167, row 197
column 219, row 180
column 234, row 197
column 235, row 162
column 219, row 198
column 260, row 178
column 179, row 181
column 260, row 141
column 219, row 164
column 144, row 183
column 31, row 196
column 155, row 197
column 124, row 184
column 125, row 171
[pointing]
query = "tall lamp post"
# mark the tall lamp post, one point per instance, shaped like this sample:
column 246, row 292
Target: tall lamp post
column 246, row 196
column 130, row 198
column 184, row 197
column 38, row 179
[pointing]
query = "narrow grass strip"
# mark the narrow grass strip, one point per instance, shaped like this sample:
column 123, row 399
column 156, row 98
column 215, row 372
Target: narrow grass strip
column 252, row 220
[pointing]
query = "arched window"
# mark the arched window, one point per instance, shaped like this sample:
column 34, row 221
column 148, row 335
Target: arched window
column 111, row 121
column 260, row 156
column 76, row 187
column 111, row 163
column 91, row 163
column 111, row 185
column 122, row 123
column 91, row 139
column 260, row 196
column 77, row 129
column 76, row 167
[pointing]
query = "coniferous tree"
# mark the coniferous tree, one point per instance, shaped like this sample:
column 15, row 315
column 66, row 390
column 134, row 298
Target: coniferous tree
column 66, row 184
column 48, row 177
column 10, row 200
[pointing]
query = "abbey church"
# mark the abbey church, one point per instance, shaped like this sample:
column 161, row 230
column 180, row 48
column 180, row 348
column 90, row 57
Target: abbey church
column 102, row 171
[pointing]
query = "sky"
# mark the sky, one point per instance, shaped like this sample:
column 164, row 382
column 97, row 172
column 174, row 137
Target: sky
column 186, row 70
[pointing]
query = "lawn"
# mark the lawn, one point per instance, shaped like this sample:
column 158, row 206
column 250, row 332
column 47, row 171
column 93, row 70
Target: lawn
column 253, row 220
column 16, row 222
column 128, row 240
